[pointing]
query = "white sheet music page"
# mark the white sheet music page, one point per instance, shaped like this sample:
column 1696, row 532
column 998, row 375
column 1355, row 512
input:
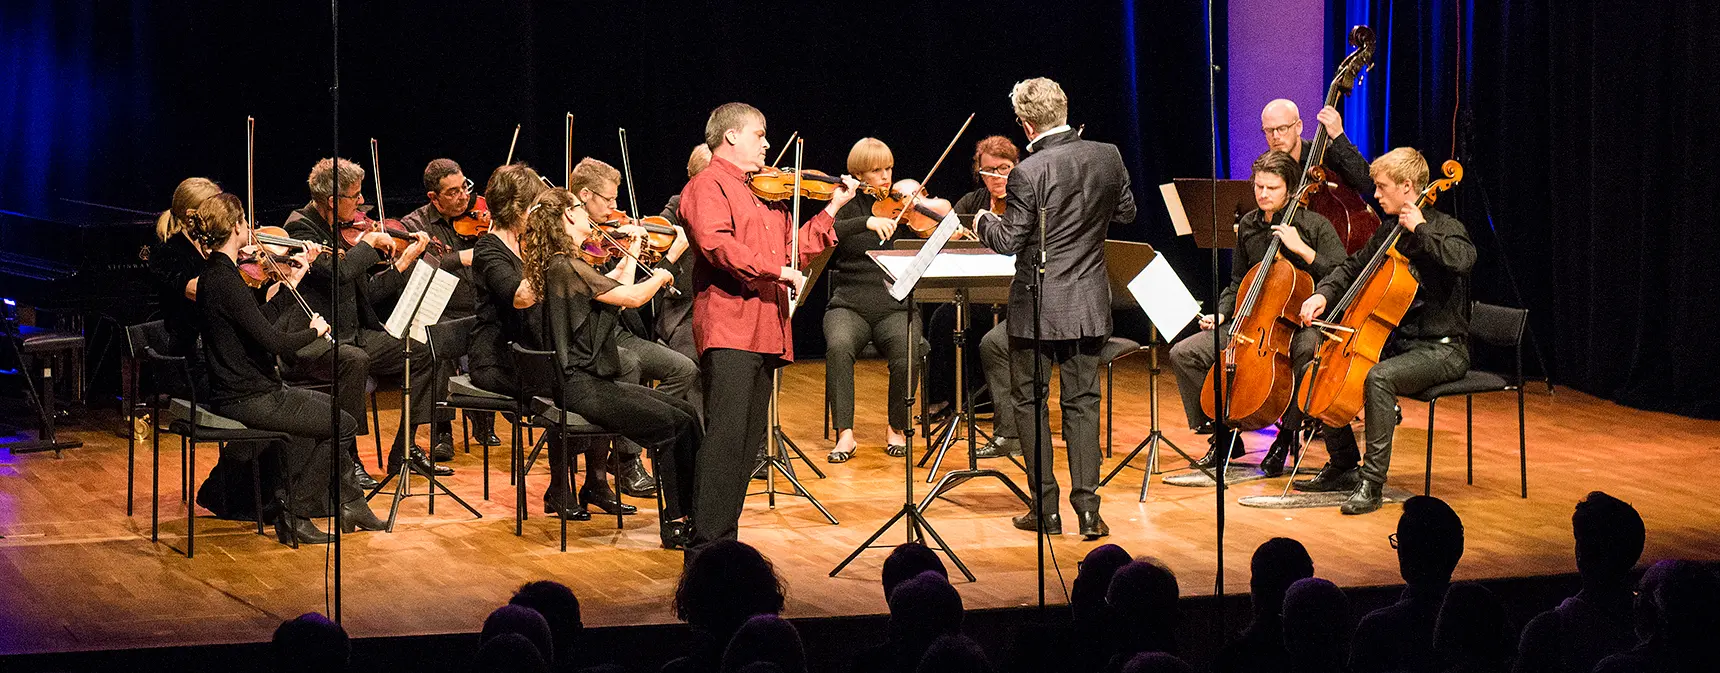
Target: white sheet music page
column 1164, row 297
column 435, row 286
column 909, row 276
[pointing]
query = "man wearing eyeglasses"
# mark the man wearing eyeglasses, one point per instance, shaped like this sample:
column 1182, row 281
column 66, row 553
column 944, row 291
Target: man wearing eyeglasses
column 450, row 196
column 1282, row 124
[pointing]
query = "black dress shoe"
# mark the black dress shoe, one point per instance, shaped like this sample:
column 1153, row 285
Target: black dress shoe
column 553, row 505
column 676, row 534
column 1287, row 444
column 444, row 447
column 356, row 515
column 1212, row 458
column 486, row 438
column 420, row 464
column 630, row 472
column 1030, row 522
column 294, row 531
column 1331, row 479
column 1092, row 526
column 602, row 498
column 1366, row 498
column 999, row 447
column 362, row 478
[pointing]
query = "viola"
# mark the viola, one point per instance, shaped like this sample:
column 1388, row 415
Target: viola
column 362, row 224
column 475, row 221
column 659, row 235
column 775, row 184
column 267, row 260
column 907, row 203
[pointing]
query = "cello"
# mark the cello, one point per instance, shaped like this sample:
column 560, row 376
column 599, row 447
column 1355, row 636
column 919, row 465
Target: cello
column 1256, row 360
column 1350, row 215
column 1374, row 305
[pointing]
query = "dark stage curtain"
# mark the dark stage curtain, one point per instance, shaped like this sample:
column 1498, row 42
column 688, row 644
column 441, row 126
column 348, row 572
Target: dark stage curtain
column 1588, row 133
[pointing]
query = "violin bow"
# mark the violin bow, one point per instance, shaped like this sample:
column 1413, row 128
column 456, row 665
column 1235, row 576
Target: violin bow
column 251, row 218
column 567, row 149
column 376, row 172
column 794, row 225
column 911, row 198
column 511, row 144
column 627, row 172
column 785, row 147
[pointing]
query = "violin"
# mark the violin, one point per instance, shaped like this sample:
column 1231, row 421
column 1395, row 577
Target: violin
column 659, row 235
column 475, row 221
column 362, row 224
column 775, row 184
column 907, row 203
column 266, row 261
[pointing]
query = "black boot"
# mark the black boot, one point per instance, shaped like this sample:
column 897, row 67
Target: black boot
column 1213, row 456
column 629, row 471
column 443, row 450
column 1331, row 479
column 294, row 531
column 420, row 463
column 1366, row 498
column 554, row 502
column 484, row 428
column 1286, row 445
column 356, row 515
column 598, row 495
column 362, row 478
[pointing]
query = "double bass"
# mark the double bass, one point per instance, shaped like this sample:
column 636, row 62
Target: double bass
column 1256, row 361
column 1350, row 215
column 1367, row 314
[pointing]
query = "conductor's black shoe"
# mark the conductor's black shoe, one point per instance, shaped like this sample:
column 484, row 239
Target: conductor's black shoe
column 1287, row 444
column 1213, row 456
column 1366, row 498
column 420, row 464
column 1030, row 522
column 1092, row 527
column 361, row 478
column 999, row 447
column 1331, row 479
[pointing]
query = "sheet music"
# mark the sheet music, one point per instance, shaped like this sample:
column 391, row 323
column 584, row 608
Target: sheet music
column 435, row 286
column 909, row 276
column 953, row 265
column 1164, row 297
column 1173, row 204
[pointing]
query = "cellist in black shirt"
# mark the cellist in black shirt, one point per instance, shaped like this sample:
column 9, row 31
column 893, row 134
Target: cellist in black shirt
column 241, row 343
column 1427, row 348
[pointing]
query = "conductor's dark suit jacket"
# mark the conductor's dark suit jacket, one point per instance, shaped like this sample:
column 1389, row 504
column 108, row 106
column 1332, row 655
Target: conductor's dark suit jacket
column 1085, row 189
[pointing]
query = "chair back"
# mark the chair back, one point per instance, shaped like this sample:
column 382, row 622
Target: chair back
column 450, row 339
column 1495, row 325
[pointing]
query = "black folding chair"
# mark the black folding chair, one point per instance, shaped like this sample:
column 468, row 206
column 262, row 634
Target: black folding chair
column 538, row 370
column 1497, row 327
column 194, row 425
column 449, row 341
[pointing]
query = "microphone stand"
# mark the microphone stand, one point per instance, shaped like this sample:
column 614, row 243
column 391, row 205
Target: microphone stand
column 1220, row 399
column 334, row 291
column 1041, row 409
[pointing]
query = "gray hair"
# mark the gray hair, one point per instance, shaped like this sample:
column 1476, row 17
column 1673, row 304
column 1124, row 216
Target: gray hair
column 1040, row 102
column 728, row 117
column 350, row 174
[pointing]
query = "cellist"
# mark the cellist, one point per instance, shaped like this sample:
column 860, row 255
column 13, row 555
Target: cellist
column 1427, row 348
column 1310, row 244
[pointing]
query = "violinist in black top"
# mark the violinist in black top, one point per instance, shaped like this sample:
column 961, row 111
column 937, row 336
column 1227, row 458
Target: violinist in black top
column 861, row 309
column 450, row 196
column 1427, row 348
column 365, row 349
column 1310, row 244
column 241, row 343
column 175, row 264
column 580, row 314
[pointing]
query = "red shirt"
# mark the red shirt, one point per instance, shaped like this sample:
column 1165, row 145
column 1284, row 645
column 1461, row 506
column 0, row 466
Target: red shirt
column 743, row 241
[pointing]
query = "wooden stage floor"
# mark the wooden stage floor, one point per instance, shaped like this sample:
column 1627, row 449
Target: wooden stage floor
column 76, row 573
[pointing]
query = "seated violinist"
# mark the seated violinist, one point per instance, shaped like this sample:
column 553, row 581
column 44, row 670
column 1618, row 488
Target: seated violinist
column 596, row 185
column 1309, row 244
column 861, row 309
column 373, row 267
column 1426, row 349
column 240, row 343
column 451, row 197
column 580, row 311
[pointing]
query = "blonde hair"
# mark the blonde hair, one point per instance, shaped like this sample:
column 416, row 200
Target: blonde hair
column 698, row 160
column 212, row 222
column 869, row 154
column 186, row 197
column 1398, row 165
column 1040, row 102
column 589, row 173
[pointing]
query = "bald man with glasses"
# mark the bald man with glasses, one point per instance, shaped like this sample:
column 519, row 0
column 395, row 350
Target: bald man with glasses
column 1282, row 124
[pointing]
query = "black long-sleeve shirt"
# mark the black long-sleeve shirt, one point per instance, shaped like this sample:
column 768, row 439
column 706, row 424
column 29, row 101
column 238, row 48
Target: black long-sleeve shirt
column 173, row 264
column 240, row 339
column 579, row 328
column 1254, row 235
column 1440, row 256
column 1347, row 162
column 496, row 276
column 431, row 221
column 361, row 289
column 860, row 284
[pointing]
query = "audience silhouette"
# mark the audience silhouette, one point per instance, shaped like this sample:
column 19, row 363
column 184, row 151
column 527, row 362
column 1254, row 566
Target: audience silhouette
column 1399, row 637
column 1316, row 624
column 310, row 642
column 1277, row 563
column 1472, row 634
column 1596, row 622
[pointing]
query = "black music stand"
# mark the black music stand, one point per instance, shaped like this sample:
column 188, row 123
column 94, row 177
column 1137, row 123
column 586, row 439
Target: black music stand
column 1193, row 210
column 776, row 459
